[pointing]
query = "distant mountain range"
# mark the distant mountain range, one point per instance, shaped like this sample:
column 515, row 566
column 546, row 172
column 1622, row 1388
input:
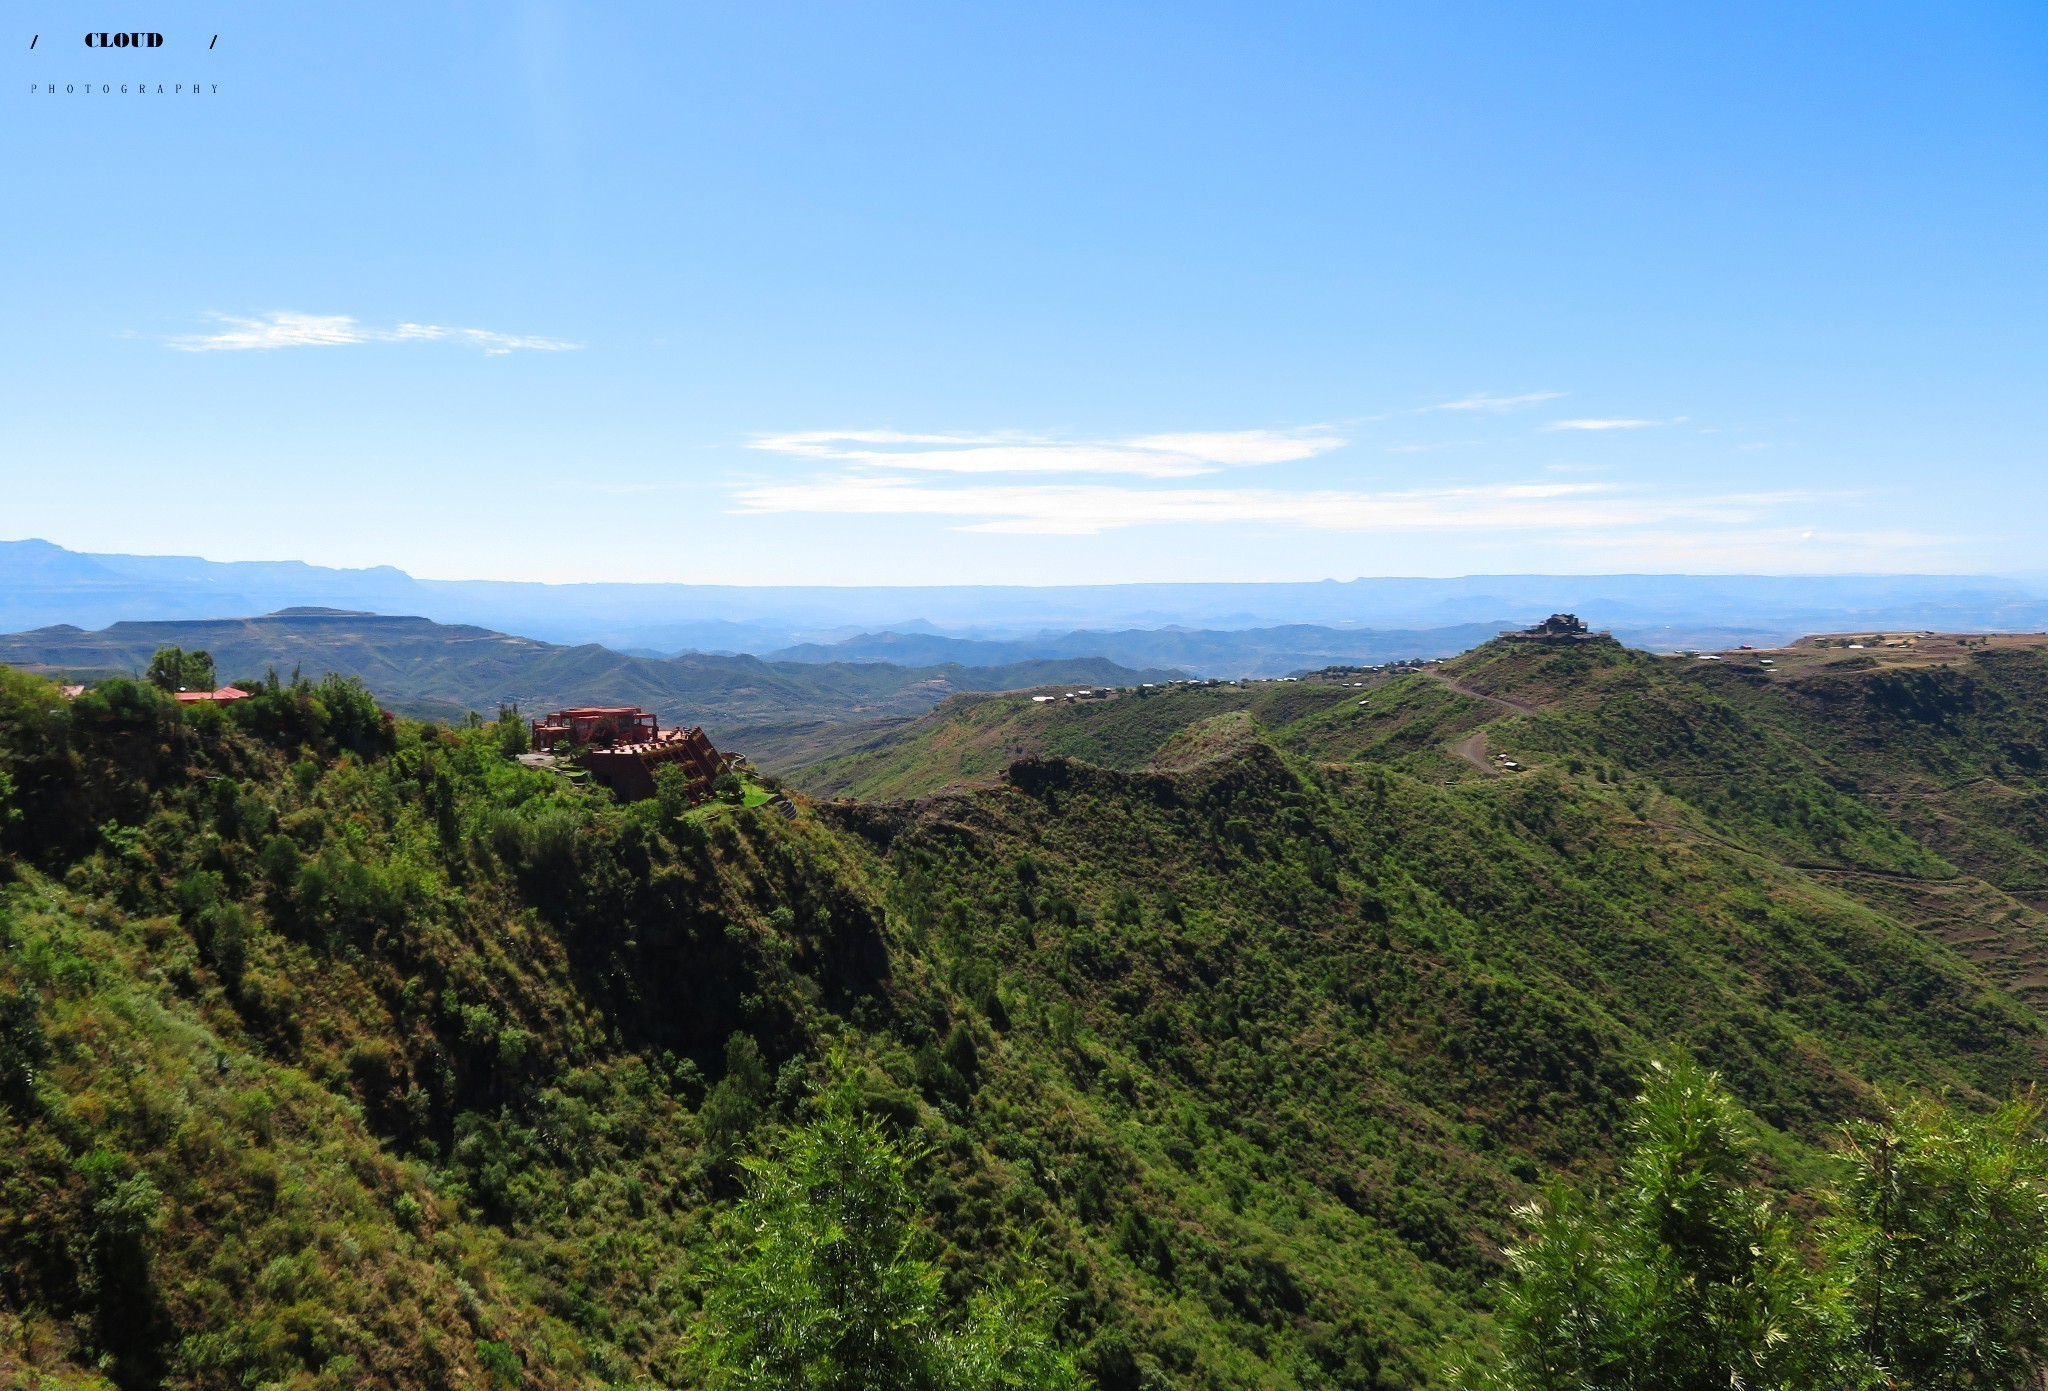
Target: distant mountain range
column 1204, row 652
column 437, row 670
column 43, row 584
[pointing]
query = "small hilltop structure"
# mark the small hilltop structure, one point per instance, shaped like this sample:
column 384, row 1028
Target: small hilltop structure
column 1559, row 628
column 623, row 748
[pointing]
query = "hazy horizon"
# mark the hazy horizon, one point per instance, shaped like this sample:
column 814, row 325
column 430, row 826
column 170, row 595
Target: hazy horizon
column 42, row 585
column 2014, row 575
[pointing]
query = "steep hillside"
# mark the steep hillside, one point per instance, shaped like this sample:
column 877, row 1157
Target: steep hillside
column 337, row 1053
column 1917, row 781
column 1915, row 777
column 442, row 671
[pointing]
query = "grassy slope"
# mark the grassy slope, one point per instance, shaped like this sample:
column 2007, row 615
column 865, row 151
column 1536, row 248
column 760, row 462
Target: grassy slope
column 1882, row 771
column 971, row 739
column 1262, row 1045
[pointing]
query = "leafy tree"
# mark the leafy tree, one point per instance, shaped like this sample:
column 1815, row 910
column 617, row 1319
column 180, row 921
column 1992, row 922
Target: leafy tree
column 1934, row 1273
column 23, row 1046
column 353, row 721
column 175, row 669
column 514, row 737
column 824, row 1283
column 733, row 1107
column 1942, row 1239
column 1007, row 1343
column 673, row 790
column 334, row 713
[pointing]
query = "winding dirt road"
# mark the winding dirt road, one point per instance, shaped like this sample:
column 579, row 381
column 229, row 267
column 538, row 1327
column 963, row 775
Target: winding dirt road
column 1472, row 748
column 1515, row 705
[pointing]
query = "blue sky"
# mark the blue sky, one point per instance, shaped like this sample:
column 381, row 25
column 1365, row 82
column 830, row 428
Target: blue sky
column 899, row 293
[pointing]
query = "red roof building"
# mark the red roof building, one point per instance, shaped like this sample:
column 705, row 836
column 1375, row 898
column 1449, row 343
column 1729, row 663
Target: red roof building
column 623, row 747
column 595, row 726
column 219, row 697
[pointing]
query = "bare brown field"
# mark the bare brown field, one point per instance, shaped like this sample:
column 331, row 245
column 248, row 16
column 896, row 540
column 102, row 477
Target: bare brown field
column 1867, row 650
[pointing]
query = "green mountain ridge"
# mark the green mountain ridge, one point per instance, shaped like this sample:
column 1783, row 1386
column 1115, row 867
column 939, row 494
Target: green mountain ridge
column 441, row 671
column 358, row 1055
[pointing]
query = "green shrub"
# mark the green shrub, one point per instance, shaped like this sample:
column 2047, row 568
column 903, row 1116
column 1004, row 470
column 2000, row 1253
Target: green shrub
column 1930, row 1270
column 824, row 1281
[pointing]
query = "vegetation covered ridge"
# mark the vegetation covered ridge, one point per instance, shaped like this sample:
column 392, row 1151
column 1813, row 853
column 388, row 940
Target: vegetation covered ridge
column 443, row 671
column 1912, row 779
column 344, row 1051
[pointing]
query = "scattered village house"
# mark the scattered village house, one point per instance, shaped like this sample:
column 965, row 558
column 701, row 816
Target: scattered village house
column 218, row 697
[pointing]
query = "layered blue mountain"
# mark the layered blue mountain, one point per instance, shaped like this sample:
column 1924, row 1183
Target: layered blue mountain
column 43, row 584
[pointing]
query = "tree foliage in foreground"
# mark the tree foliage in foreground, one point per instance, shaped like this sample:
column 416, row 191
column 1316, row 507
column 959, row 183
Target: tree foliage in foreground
column 1927, row 1270
column 823, row 1282
column 175, row 669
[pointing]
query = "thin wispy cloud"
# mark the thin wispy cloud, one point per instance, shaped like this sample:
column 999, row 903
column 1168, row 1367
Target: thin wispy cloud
column 1086, row 510
column 1149, row 456
column 287, row 329
column 1602, row 424
column 1766, row 549
column 1480, row 401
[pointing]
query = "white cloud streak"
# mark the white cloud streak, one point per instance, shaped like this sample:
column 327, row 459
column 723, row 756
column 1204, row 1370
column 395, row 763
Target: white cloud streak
column 1148, row 456
column 1086, row 510
column 286, row 329
column 1480, row 401
column 1601, row 424
column 1765, row 549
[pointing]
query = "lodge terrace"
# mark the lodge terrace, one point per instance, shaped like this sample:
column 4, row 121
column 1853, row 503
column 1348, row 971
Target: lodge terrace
column 623, row 748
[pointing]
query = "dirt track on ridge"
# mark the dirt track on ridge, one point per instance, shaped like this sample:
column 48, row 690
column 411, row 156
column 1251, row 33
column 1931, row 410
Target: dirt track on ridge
column 1472, row 748
column 1515, row 705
